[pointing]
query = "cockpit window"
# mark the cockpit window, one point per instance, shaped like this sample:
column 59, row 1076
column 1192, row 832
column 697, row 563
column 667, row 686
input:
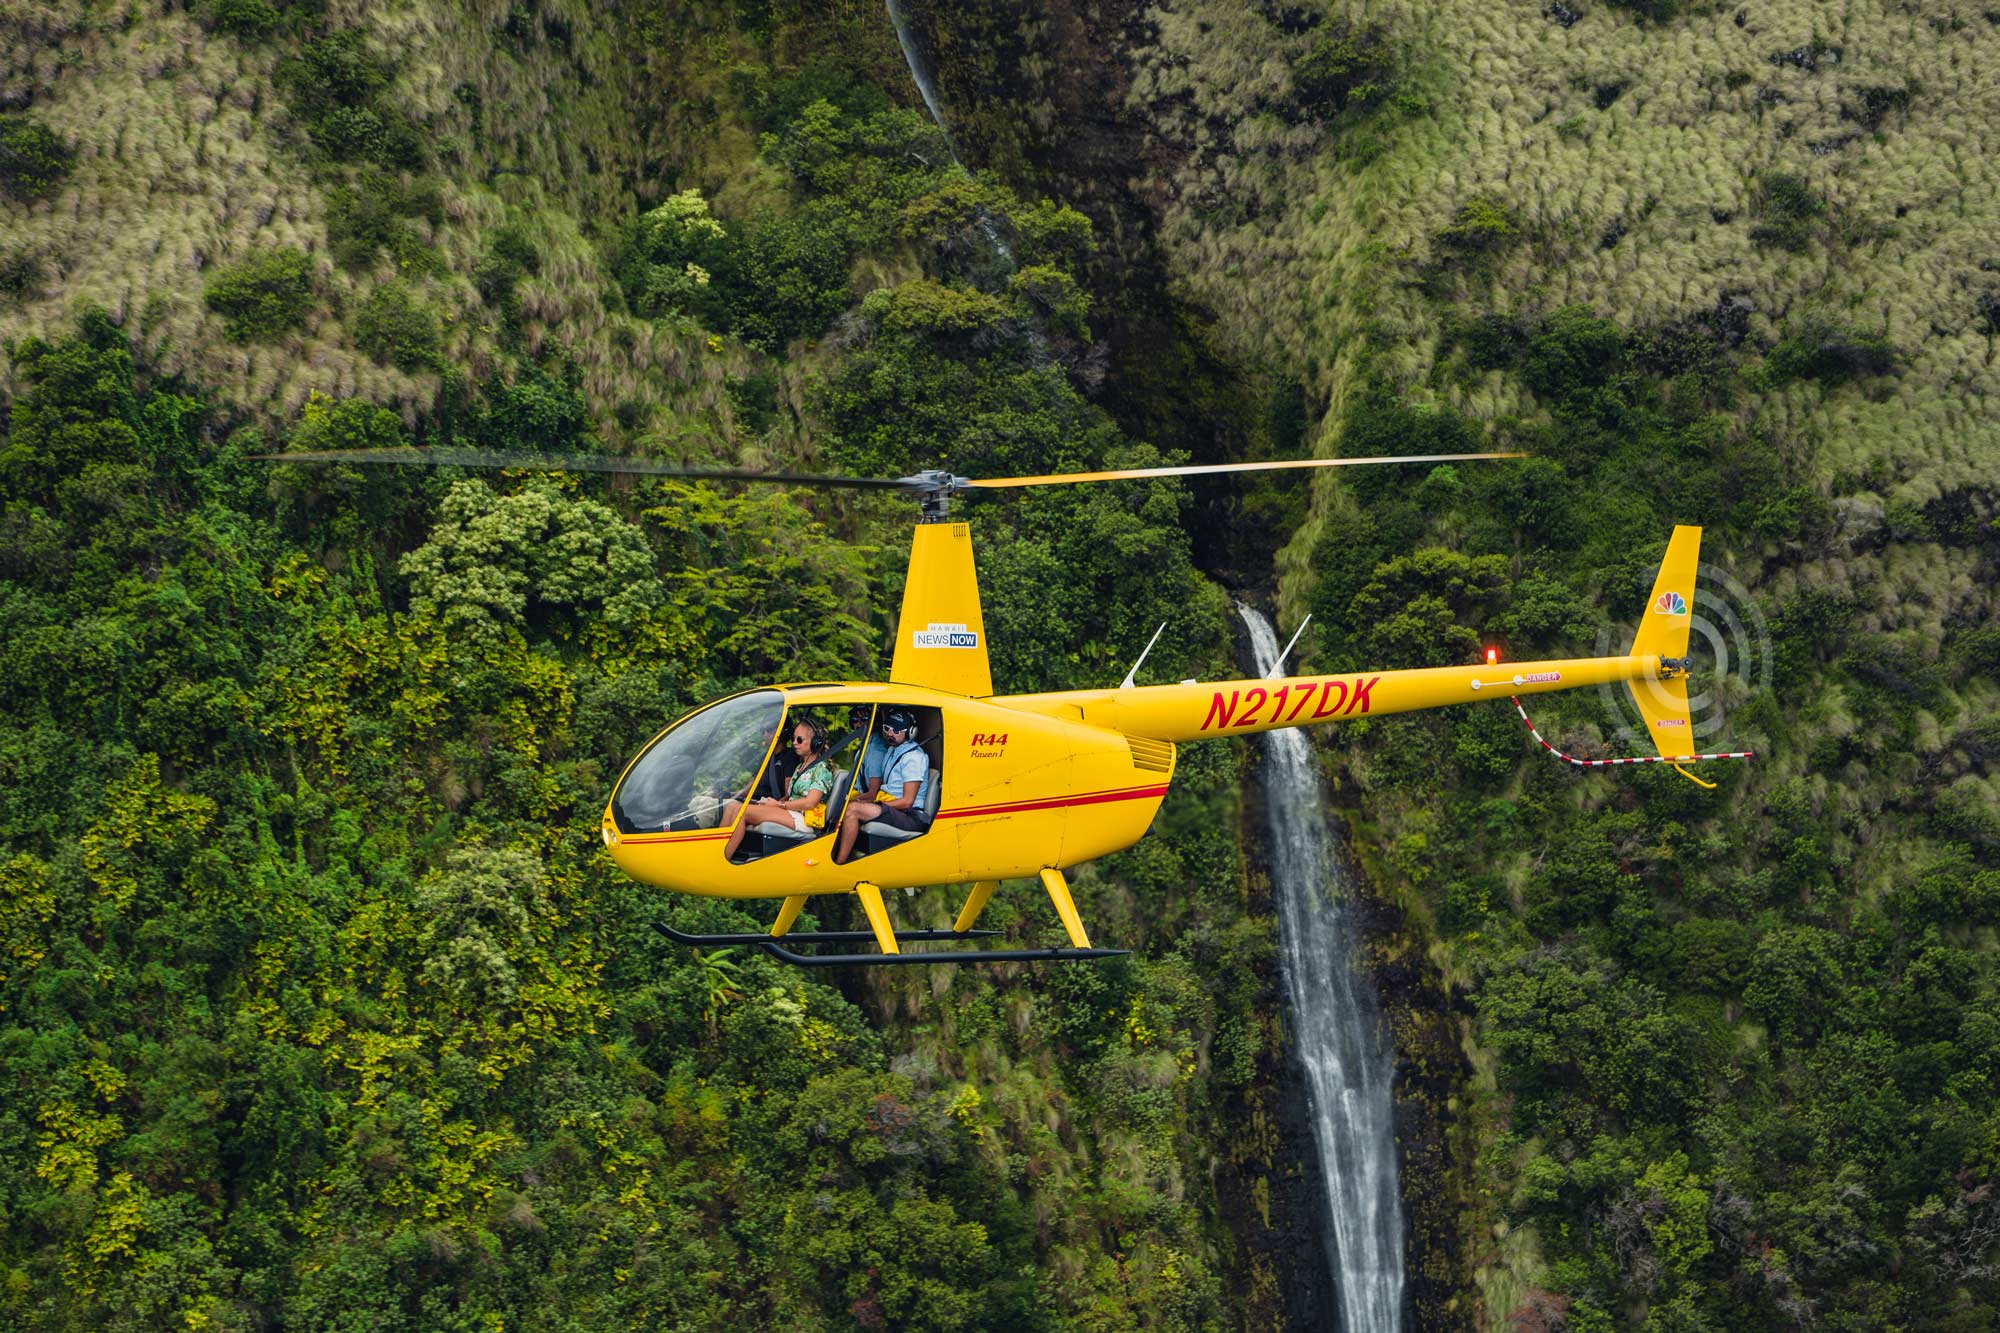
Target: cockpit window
column 683, row 778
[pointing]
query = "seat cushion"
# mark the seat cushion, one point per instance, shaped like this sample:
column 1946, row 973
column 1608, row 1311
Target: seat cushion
column 783, row 833
column 927, row 807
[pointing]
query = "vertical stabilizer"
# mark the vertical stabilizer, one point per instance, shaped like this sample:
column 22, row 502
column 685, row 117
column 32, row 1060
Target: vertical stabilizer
column 941, row 638
column 1663, row 632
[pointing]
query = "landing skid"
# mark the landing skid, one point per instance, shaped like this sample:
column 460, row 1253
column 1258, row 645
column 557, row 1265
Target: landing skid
column 815, row 936
column 771, row 945
column 784, row 955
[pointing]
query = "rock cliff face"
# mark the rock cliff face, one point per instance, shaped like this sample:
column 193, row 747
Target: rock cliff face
column 1328, row 196
column 1051, row 99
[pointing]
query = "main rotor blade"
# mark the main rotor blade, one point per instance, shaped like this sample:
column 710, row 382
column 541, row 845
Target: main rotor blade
column 1065, row 478
column 493, row 458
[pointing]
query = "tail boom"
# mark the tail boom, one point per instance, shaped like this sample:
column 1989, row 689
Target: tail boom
column 1242, row 707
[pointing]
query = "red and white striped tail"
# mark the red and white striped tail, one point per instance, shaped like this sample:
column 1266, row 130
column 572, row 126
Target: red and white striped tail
column 1612, row 763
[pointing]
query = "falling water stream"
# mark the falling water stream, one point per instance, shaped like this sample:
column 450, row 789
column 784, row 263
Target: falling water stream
column 920, row 71
column 1340, row 1039
column 1337, row 1029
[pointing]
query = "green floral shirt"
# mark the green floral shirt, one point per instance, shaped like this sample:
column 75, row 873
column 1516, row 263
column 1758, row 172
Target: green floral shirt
column 816, row 776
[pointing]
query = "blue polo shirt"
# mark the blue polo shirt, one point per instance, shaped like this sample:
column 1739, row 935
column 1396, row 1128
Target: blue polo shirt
column 874, row 761
column 907, row 763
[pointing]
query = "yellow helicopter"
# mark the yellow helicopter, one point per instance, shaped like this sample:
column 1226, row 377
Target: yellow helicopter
column 968, row 787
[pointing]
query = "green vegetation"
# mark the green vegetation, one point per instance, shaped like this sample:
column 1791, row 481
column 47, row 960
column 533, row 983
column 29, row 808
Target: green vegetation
column 248, row 19
column 376, row 212
column 1700, row 1095
column 1348, row 65
column 374, row 1033
column 336, row 84
column 1789, row 209
column 1823, row 351
column 320, row 1010
column 263, row 298
column 394, row 326
column 33, row 161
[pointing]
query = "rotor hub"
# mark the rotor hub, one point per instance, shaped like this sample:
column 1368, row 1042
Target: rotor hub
column 934, row 489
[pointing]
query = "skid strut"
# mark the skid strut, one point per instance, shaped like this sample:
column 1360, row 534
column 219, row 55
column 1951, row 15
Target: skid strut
column 890, row 940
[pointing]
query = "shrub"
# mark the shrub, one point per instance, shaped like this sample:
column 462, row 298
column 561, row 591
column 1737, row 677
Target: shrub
column 33, row 161
column 510, row 255
column 334, row 83
column 792, row 279
column 1347, row 66
column 1789, row 207
column 537, row 411
column 776, row 104
column 1829, row 353
column 335, row 70
column 671, row 255
column 923, row 306
column 263, row 297
column 1481, row 226
column 374, row 213
column 245, row 18
column 1054, row 293
column 1872, row 104
column 20, row 272
column 1987, row 305
column 394, row 327
column 1659, row 11
column 755, row 399
column 1573, row 352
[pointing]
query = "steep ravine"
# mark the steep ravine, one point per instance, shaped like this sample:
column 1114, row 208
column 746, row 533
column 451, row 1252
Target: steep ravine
column 1433, row 1135
column 1338, row 1040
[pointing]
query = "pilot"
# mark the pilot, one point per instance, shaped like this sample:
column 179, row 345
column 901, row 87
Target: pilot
column 857, row 730
column 891, row 791
column 803, row 806
column 777, row 780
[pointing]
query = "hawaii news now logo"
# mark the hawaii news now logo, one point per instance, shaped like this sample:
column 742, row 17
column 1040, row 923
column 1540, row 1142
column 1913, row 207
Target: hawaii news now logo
column 944, row 636
column 1670, row 603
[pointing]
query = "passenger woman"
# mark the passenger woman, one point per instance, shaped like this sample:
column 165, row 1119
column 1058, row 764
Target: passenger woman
column 803, row 806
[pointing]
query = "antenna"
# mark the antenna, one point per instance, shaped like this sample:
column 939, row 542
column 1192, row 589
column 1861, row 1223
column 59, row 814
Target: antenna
column 1126, row 683
column 1278, row 665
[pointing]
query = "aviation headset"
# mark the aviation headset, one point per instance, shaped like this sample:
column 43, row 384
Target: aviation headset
column 818, row 728
column 900, row 719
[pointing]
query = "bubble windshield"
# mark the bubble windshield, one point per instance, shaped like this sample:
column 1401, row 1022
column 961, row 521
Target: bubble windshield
column 681, row 780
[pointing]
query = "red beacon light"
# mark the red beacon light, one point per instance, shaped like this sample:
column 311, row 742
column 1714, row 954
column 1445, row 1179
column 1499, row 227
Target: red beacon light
column 1492, row 656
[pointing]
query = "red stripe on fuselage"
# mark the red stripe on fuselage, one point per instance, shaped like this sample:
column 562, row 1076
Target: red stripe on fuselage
column 1087, row 798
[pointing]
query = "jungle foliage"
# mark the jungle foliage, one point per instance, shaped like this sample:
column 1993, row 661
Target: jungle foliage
column 317, row 1009
column 326, row 1008
column 1743, row 1038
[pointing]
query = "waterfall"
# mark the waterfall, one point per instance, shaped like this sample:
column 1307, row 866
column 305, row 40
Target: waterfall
column 1337, row 1030
column 920, row 71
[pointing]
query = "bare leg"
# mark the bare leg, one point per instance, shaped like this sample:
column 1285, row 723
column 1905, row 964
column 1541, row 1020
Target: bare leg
column 858, row 813
column 756, row 814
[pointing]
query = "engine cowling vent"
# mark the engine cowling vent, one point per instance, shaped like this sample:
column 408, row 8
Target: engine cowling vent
column 1153, row 756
